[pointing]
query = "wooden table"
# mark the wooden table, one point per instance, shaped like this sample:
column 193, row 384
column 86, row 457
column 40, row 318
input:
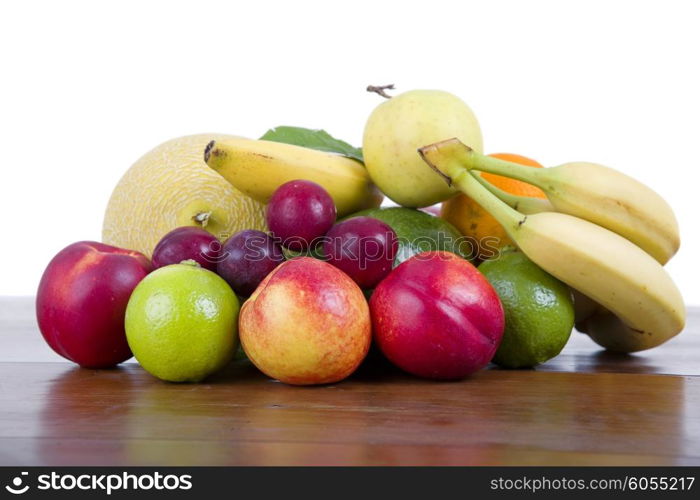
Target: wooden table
column 586, row 407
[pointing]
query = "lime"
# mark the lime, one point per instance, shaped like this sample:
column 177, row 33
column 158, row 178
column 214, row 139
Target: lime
column 538, row 308
column 182, row 323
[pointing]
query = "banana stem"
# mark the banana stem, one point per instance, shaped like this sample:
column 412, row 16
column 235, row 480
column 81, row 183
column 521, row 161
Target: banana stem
column 506, row 216
column 483, row 163
column 448, row 159
column 523, row 204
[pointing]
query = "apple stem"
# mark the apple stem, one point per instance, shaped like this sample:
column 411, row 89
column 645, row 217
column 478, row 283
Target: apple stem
column 380, row 89
column 202, row 218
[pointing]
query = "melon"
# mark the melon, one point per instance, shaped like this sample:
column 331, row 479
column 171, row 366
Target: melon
column 171, row 186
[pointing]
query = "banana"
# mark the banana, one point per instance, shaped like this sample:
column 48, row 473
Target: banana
column 609, row 269
column 606, row 329
column 609, row 331
column 596, row 193
column 257, row 168
column 523, row 204
column 584, row 308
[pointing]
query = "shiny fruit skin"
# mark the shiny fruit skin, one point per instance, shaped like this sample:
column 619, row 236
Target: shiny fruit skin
column 182, row 323
column 307, row 323
column 258, row 167
column 436, row 316
column 476, row 223
column 187, row 243
column 168, row 187
column 538, row 307
column 418, row 232
column 601, row 264
column 362, row 247
column 81, row 301
column 247, row 258
column 398, row 127
column 299, row 212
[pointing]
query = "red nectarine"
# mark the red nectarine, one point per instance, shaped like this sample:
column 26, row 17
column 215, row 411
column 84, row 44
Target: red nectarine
column 436, row 316
column 82, row 299
column 307, row 323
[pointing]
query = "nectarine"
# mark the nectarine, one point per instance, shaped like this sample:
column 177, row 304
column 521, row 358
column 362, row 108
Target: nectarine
column 82, row 299
column 307, row 323
column 436, row 316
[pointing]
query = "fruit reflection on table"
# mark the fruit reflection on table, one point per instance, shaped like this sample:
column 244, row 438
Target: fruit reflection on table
column 281, row 242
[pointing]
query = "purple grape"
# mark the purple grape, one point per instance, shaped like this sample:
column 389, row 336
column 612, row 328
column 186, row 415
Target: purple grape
column 363, row 247
column 299, row 212
column 187, row 243
column 246, row 258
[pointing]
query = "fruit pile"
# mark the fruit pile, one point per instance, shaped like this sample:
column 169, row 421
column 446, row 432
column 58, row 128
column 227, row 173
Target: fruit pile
column 279, row 246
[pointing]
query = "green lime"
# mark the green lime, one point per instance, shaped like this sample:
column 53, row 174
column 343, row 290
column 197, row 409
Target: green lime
column 419, row 232
column 182, row 323
column 538, row 308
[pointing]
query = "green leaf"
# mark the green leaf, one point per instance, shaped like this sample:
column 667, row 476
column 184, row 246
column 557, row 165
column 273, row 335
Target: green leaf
column 314, row 139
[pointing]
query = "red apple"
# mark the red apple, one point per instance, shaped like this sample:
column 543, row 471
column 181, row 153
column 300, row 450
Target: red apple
column 82, row 299
column 307, row 323
column 436, row 316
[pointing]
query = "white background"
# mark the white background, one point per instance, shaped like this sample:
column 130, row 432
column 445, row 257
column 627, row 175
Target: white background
column 86, row 88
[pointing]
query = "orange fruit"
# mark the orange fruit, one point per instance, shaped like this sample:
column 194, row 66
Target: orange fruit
column 476, row 223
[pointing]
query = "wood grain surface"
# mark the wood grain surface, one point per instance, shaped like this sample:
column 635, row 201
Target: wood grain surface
column 585, row 407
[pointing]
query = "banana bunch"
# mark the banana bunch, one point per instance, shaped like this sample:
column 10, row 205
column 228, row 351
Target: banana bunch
column 257, row 168
column 596, row 193
column 601, row 232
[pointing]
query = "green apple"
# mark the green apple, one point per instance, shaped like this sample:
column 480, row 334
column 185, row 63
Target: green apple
column 398, row 127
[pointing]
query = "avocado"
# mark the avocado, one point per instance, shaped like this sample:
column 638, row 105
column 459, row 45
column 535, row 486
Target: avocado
column 419, row 232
